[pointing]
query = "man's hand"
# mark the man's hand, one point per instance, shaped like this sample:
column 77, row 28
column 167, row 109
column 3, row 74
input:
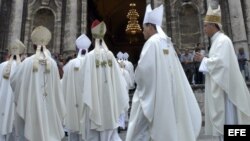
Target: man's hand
column 198, row 57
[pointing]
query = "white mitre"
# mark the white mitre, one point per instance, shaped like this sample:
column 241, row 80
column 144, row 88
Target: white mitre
column 125, row 56
column 82, row 43
column 155, row 17
column 98, row 30
column 120, row 55
column 213, row 16
column 16, row 48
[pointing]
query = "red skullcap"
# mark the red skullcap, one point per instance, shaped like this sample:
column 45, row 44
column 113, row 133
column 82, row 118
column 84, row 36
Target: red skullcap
column 95, row 23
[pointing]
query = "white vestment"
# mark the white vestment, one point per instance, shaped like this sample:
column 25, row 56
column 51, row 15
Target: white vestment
column 129, row 82
column 39, row 100
column 104, row 94
column 72, row 83
column 130, row 68
column 127, row 78
column 164, row 106
column 6, row 101
column 224, row 83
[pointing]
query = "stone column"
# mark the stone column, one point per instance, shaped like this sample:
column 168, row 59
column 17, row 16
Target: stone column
column 84, row 17
column 164, row 22
column 247, row 19
column 148, row 2
column 15, row 20
column 70, row 27
column 238, row 26
column 213, row 3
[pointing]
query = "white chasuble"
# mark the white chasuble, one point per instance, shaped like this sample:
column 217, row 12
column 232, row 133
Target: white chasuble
column 164, row 95
column 104, row 93
column 224, row 81
column 6, row 101
column 39, row 100
column 72, row 84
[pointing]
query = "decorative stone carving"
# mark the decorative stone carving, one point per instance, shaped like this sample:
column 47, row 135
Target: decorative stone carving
column 186, row 22
column 45, row 2
column 37, row 10
column 190, row 30
column 46, row 18
column 172, row 22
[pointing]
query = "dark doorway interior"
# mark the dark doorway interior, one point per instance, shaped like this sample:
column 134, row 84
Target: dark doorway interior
column 113, row 13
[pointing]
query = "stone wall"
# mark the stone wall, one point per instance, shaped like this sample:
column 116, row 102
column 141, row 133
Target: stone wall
column 183, row 21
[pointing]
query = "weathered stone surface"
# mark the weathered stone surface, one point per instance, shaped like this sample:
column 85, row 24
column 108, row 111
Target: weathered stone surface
column 182, row 21
column 238, row 26
column 15, row 20
column 246, row 12
column 70, row 30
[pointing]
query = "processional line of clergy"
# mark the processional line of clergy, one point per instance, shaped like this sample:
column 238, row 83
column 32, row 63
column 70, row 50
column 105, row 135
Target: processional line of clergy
column 91, row 101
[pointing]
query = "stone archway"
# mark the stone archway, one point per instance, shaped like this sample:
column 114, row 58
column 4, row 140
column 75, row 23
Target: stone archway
column 189, row 26
column 45, row 17
column 47, row 13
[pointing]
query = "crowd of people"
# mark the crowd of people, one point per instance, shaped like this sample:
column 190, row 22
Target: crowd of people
column 190, row 66
column 86, row 95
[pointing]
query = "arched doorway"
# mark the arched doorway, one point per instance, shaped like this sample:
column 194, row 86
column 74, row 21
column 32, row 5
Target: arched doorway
column 45, row 17
column 114, row 14
column 189, row 25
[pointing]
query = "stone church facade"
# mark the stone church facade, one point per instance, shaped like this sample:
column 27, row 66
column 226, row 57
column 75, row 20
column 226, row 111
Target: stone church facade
column 67, row 19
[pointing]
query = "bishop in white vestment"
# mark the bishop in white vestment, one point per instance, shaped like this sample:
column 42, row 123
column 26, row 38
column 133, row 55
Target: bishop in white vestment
column 227, row 99
column 105, row 96
column 130, row 68
column 72, row 83
column 164, row 107
column 7, row 107
column 38, row 92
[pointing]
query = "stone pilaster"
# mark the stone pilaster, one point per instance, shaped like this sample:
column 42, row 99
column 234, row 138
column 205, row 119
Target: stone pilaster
column 70, row 26
column 84, row 16
column 148, row 2
column 238, row 26
column 15, row 20
column 157, row 3
column 213, row 3
column 164, row 22
column 247, row 19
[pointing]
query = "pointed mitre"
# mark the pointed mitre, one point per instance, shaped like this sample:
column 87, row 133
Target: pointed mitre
column 41, row 36
column 16, row 47
column 83, row 42
column 213, row 15
column 119, row 55
column 125, row 56
column 98, row 29
column 153, row 16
